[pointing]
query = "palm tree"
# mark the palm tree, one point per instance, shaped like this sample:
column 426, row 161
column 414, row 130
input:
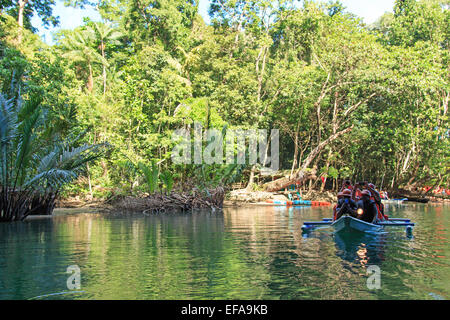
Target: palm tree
column 104, row 34
column 79, row 49
column 31, row 165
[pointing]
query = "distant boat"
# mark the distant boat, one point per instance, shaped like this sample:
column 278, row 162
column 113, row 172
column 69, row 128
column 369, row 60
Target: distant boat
column 393, row 201
column 298, row 203
column 416, row 199
column 408, row 199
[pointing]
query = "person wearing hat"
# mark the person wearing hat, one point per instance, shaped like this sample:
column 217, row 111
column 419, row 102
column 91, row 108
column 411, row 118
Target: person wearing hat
column 375, row 194
column 346, row 205
column 339, row 197
column 377, row 198
column 346, row 185
column 366, row 208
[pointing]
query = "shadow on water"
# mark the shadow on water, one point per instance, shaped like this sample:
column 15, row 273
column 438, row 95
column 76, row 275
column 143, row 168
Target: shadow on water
column 360, row 247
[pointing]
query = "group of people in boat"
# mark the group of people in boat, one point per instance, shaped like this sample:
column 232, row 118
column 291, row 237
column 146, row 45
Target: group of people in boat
column 361, row 201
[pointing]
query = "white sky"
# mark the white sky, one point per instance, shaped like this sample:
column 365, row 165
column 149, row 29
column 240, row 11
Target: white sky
column 70, row 18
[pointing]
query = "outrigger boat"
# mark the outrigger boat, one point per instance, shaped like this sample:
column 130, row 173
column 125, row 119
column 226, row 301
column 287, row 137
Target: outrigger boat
column 410, row 199
column 394, row 201
column 349, row 224
column 298, row 203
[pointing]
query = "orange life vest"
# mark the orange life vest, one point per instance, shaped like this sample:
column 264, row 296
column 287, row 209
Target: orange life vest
column 380, row 215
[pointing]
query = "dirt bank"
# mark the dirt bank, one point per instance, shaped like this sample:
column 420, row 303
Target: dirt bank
column 184, row 202
column 153, row 203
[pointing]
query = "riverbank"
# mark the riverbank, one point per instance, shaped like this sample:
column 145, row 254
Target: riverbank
column 152, row 203
column 185, row 201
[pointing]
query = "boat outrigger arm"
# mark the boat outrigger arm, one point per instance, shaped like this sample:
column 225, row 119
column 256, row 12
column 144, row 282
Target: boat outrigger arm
column 350, row 223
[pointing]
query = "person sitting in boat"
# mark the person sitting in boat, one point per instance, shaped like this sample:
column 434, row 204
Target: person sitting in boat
column 356, row 191
column 375, row 196
column 367, row 209
column 346, row 185
column 346, row 205
column 339, row 196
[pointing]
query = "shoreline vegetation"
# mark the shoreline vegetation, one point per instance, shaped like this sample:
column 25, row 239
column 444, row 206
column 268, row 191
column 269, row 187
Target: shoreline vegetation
column 219, row 199
column 93, row 115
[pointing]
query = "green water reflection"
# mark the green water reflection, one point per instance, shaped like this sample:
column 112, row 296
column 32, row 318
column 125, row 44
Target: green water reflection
column 246, row 253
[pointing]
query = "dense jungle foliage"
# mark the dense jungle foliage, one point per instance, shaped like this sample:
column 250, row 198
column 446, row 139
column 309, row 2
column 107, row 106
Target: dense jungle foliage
column 353, row 100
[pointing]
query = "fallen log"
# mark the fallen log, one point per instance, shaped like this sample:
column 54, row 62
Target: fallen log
column 304, row 173
column 417, row 199
column 300, row 176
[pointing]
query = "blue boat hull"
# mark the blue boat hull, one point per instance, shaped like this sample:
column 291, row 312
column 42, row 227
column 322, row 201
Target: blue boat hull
column 350, row 224
column 347, row 223
column 393, row 201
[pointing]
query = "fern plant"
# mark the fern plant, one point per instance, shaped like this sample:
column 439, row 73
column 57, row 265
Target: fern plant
column 151, row 175
column 167, row 179
column 33, row 165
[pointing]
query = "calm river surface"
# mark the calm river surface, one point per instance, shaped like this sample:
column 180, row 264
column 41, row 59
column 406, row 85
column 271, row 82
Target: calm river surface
column 244, row 253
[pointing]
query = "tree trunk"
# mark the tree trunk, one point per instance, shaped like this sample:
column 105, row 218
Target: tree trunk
column 236, row 38
column 105, row 169
column 251, row 180
column 393, row 180
column 89, row 182
column 104, row 68
column 294, row 162
column 90, row 84
column 326, row 172
column 413, row 175
column 301, row 173
column 260, row 72
column 22, row 4
column 282, row 183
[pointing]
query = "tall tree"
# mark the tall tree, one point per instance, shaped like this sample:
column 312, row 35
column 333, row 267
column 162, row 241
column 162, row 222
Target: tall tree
column 104, row 35
column 24, row 10
column 78, row 48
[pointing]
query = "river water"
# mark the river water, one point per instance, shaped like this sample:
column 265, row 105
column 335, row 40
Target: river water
column 240, row 253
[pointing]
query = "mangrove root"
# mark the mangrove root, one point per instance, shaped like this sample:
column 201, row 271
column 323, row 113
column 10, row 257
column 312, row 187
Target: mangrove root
column 175, row 202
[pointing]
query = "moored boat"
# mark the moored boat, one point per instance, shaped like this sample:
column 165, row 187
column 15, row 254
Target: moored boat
column 402, row 200
column 393, row 201
column 298, row 203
